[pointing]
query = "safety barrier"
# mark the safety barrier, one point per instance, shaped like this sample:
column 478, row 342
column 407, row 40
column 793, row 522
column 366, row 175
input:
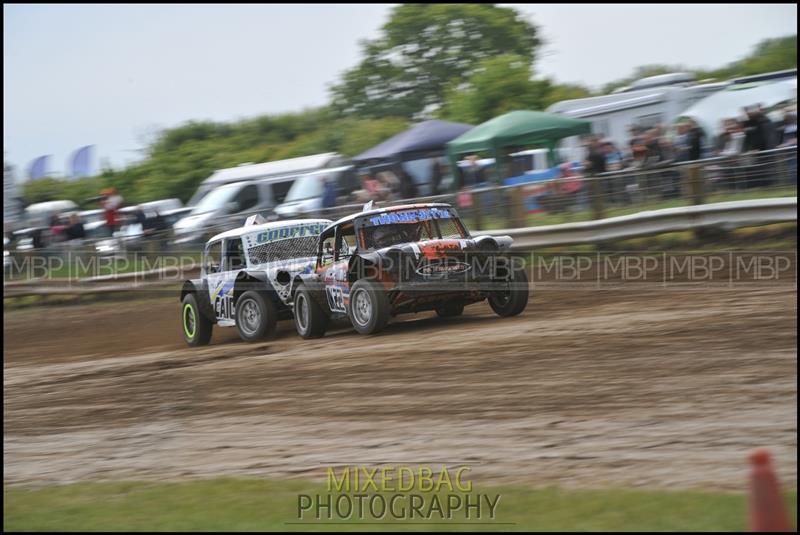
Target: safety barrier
column 727, row 215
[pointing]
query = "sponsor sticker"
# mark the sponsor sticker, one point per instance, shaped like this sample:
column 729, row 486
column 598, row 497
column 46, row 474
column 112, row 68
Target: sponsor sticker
column 283, row 233
column 409, row 216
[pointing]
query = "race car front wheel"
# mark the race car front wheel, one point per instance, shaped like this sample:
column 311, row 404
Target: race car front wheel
column 369, row 307
column 196, row 327
column 514, row 298
column 256, row 317
column 309, row 318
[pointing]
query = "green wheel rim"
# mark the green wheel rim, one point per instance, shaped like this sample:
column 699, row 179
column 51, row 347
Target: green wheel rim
column 189, row 319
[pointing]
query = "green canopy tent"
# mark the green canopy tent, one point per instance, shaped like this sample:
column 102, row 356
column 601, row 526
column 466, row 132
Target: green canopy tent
column 516, row 128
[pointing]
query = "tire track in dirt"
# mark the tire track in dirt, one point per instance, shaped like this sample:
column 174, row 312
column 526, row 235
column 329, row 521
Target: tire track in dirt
column 588, row 388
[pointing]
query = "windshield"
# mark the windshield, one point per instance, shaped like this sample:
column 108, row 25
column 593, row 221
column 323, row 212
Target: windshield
column 306, row 187
column 394, row 228
column 215, row 200
column 395, row 234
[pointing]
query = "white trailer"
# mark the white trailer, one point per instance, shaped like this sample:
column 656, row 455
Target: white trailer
column 645, row 103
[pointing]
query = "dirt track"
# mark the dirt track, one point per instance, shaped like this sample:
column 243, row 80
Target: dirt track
column 647, row 386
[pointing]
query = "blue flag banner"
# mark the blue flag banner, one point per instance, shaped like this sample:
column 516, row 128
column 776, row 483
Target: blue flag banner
column 81, row 162
column 38, row 167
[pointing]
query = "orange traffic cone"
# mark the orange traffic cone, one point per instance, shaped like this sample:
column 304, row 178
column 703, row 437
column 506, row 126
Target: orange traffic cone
column 767, row 512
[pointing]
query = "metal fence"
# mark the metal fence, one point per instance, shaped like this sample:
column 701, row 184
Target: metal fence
column 583, row 198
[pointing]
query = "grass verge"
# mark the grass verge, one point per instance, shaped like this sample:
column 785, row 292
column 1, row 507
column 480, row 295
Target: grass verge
column 270, row 505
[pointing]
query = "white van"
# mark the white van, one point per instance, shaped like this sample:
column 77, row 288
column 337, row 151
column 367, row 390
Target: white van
column 283, row 172
column 38, row 215
column 36, row 220
column 227, row 206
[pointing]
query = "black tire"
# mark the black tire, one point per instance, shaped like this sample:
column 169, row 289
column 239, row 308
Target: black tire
column 369, row 307
column 256, row 317
column 310, row 319
column 196, row 327
column 450, row 309
column 514, row 300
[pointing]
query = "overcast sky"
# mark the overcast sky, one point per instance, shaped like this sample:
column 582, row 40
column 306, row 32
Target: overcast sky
column 109, row 75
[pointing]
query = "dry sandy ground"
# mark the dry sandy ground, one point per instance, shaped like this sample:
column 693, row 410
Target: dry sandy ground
column 643, row 386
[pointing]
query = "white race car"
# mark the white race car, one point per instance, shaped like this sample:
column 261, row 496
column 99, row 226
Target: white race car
column 246, row 278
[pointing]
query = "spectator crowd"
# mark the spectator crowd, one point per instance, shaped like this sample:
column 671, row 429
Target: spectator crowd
column 649, row 147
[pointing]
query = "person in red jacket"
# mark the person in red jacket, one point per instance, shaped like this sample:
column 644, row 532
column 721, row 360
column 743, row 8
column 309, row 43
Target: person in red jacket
column 111, row 203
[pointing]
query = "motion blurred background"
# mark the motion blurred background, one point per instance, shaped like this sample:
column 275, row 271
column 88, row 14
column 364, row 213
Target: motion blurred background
column 134, row 133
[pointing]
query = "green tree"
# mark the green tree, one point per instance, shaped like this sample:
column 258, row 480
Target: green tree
column 768, row 55
column 42, row 189
column 421, row 49
column 559, row 92
column 368, row 133
column 499, row 85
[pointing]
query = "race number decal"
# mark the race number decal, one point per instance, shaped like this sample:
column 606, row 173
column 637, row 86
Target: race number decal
column 222, row 300
column 223, row 307
column 335, row 299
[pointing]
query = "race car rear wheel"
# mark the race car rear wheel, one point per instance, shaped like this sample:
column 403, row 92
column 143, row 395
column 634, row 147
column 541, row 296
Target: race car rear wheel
column 256, row 317
column 369, row 307
column 450, row 309
column 196, row 327
column 514, row 299
column 310, row 319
